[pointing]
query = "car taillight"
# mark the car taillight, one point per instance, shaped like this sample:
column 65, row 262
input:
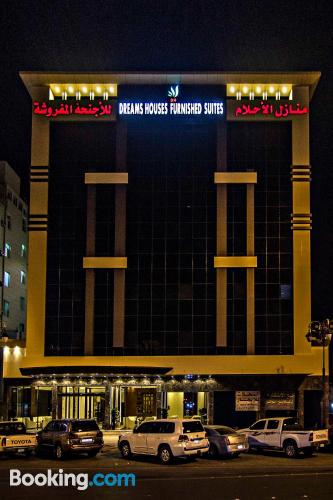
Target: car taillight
column 182, row 438
column 99, row 434
column 206, row 435
column 3, row 442
column 311, row 436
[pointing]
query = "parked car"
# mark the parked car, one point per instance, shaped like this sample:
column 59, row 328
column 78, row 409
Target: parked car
column 284, row 433
column 14, row 438
column 165, row 438
column 63, row 437
column 225, row 441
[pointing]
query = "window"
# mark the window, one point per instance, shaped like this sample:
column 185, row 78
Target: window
column 60, row 427
column 20, row 206
column 6, row 279
column 23, row 251
column 193, row 426
column 22, row 303
column 84, row 426
column 9, row 195
column 24, row 225
column 9, row 222
column 6, row 308
column 291, row 424
column 15, row 201
column 8, row 249
column 23, row 277
column 272, row 424
column 258, row 425
column 163, row 427
column 49, row 427
column 145, row 428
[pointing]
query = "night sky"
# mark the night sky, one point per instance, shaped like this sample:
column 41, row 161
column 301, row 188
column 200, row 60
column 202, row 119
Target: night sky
column 57, row 35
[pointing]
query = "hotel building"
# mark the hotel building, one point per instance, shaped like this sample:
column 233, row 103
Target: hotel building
column 169, row 249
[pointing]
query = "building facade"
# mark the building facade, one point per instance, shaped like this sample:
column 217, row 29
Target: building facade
column 169, row 249
column 14, row 245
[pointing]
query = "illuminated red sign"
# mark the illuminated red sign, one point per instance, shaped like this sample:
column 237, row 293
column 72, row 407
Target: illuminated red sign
column 264, row 108
column 53, row 109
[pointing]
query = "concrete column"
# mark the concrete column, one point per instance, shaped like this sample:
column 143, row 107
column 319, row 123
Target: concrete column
column 120, row 239
column 33, row 402
column 250, row 295
column 90, row 273
column 108, row 402
column 300, row 406
column 301, row 237
column 210, row 408
column 54, row 401
column 221, row 238
column 37, row 255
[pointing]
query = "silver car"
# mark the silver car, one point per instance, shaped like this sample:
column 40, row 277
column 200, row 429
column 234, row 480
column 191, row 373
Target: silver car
column 225, row 441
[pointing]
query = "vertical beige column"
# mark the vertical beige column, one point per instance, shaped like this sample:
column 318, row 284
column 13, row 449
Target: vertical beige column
column 120, row 239
column 250, row 318
column 221, row 238
column 37, row 255
column 90, row 273
column 301, row 238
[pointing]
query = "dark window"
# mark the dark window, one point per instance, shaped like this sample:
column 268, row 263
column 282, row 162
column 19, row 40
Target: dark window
column 272, row 424
column 165, row 427
column 258, row 425
column 84, row 426
column 291, row 424
column 60, row 427
column 192, row 426
column 49, row 427
column 146, row 427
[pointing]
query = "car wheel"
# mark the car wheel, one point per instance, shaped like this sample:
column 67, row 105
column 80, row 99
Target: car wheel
column 213, row 451
column 125, row 450
column 92, row 453
column 59, row 452
column 165, row 455
column 290, row 449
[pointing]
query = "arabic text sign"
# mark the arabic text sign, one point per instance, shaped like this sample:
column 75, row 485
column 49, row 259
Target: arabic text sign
column 53, row 109
column 247, row 400
column 280, row 401
column 276, row 109
column 171, row 108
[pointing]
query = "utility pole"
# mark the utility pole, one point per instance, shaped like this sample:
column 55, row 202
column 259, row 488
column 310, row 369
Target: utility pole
column 320, row 334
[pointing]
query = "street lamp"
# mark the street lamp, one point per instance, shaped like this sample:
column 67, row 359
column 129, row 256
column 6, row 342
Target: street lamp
column 320, row 333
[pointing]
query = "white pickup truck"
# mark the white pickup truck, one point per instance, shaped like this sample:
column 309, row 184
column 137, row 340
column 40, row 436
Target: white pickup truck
column 14, row 438
column 284, row 433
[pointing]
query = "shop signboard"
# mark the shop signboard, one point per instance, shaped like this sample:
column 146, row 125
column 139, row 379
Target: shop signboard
column 247, row 400
column 280, row 401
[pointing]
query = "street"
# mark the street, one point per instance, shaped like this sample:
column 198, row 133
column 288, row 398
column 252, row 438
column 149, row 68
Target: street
column 250, row 476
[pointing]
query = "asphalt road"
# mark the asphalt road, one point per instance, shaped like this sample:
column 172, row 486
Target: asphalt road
column 249, row 477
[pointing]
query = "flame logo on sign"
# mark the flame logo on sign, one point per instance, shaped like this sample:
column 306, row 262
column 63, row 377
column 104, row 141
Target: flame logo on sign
column 173, row 93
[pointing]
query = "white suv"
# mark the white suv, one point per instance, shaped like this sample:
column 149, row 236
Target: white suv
column 166, row 439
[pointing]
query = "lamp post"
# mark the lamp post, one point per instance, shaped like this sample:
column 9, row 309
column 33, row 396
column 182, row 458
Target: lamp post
column 320, row 334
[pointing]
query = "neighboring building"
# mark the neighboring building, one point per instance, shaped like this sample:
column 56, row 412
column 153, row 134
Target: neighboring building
column 169, row 248
column 14, row 246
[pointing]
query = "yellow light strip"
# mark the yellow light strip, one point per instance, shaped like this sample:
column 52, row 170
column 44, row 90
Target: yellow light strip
column 99, row 90
column 257, row 90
